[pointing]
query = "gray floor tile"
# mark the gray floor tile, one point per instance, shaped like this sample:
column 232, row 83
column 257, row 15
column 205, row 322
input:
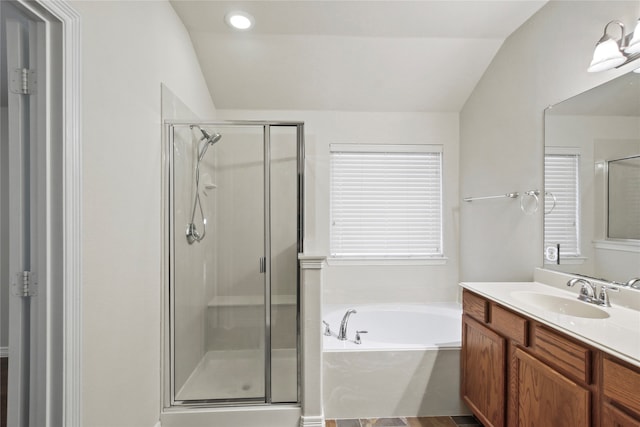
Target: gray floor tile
column 466, row 421
column 348, row 423
column 383, row 422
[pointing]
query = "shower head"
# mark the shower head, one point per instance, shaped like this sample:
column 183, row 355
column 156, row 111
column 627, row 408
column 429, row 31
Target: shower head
column 210, row 139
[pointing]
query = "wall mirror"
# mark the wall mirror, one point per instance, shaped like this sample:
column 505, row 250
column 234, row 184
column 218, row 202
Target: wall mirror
column 592, row 182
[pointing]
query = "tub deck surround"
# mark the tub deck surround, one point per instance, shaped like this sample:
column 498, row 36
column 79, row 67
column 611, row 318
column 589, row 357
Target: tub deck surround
column 455, row 421
column 408, row 362
column 618, row 334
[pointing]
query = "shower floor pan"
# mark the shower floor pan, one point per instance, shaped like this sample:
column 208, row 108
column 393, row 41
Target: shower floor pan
column 237, row 374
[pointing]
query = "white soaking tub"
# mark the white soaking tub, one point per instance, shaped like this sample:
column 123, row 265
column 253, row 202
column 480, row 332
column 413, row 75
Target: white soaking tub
column 408, row 363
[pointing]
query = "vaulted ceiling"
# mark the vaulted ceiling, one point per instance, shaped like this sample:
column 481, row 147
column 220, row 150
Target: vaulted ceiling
column 350, row 55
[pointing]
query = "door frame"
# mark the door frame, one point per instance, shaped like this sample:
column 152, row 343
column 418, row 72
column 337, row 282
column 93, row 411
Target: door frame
column 63, row 117
column 169, row 405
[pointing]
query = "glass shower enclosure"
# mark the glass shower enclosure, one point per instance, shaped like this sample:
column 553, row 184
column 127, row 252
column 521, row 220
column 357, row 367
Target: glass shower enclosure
column 234, row 231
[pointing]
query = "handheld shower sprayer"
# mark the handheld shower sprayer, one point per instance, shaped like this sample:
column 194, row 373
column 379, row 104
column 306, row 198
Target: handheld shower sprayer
column 209, row 140
column 192, row 232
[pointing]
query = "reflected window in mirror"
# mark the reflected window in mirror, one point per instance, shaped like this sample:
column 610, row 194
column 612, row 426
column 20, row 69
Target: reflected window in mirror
column 623, row 177
column 562, row 204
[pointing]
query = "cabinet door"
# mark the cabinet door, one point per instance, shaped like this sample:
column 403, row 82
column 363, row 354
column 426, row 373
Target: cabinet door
column 545, row 397
column 483, row 372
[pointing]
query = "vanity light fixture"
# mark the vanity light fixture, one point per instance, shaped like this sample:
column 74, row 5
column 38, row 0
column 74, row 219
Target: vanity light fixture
column 613, row 53
column 239, row 20
column 634, row 43
column 608, row 53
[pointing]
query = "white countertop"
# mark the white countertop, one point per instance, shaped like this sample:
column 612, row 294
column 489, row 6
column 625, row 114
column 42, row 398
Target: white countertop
column 618, row 334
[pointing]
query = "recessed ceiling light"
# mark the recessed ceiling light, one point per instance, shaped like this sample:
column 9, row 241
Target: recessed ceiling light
column 239, row 20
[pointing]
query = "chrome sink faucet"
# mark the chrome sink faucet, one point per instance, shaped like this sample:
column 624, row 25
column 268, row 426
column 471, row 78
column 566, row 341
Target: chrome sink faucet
column 587, row 291
column 342, row 335
column 633, row 283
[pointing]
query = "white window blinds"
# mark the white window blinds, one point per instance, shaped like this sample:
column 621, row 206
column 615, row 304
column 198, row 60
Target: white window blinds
column 386, row 201
column 561, row 224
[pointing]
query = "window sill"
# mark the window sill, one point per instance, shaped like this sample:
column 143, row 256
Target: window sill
column 574, row 260
column 618, row 245
column 386, row 261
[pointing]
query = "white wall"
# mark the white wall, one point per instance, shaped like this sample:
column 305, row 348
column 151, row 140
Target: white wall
column 128, row 49
column 4, row 230
column 501, row 132
column 363, row 284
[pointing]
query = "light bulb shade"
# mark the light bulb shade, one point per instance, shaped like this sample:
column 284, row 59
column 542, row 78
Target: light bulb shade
column 606, row 56
column 634, row 43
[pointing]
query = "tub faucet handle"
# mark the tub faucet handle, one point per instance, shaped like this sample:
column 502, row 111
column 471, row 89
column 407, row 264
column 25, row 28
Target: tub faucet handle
column 358, row 340
column 327, row 329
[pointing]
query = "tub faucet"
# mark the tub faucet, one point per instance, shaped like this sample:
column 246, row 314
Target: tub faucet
column 342, row 335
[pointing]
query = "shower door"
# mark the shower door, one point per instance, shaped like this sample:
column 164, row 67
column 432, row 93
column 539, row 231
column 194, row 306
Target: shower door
column 233, row 278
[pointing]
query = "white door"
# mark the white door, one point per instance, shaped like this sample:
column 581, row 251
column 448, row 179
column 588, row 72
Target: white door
column 25, row 171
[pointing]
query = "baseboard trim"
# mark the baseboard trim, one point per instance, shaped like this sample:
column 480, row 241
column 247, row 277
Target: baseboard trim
column 317, row 421
column 4, row 352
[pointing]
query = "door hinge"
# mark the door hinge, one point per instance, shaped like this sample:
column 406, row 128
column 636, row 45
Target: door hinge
column 25, row 284
column 23, row 81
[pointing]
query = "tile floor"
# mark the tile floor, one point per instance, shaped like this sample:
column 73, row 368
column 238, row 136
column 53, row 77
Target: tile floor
column 457, row 421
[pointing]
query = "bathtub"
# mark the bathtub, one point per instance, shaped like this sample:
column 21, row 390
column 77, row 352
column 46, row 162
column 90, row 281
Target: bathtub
column 408, row 363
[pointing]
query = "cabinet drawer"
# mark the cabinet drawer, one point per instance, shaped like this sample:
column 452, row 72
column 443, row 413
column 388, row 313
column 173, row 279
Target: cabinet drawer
column 509, row 324
column 569, row 356
column 621, row 384
column 613, row 417
column 474, row 306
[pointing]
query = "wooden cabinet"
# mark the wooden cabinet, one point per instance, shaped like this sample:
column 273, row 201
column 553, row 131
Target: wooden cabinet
column 518, row 372
column 483, row 368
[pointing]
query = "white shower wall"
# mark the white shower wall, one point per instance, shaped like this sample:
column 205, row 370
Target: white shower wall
column 4, row 232
column 235, row 293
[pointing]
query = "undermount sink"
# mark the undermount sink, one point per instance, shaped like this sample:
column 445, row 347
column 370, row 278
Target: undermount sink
column 560, row 305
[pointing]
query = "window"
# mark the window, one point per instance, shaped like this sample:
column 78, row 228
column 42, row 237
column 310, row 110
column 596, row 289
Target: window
column 562, row 221
column 386, row 201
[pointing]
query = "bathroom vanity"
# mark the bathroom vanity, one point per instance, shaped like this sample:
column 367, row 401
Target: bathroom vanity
column 533, row 355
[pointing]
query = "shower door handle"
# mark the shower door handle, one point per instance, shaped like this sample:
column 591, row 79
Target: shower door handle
column 263, row 265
